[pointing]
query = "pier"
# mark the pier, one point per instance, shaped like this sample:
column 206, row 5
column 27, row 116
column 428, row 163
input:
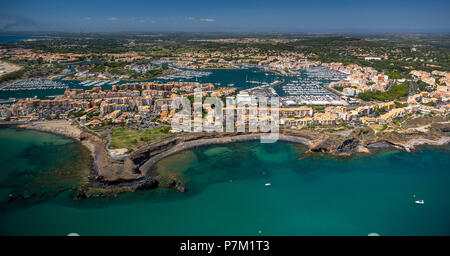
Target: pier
column 266, row 90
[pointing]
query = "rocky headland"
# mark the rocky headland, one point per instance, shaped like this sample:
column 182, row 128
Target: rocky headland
column 137, row 170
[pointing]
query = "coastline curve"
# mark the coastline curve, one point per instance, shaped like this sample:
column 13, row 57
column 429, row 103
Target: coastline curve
column 148, row 164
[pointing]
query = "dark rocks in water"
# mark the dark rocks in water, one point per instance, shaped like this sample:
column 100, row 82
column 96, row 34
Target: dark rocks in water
column 134, row 182
column 120, row 181
column 12, row 197
column 145, row 185
column 172, row 183
column 80, row 196
column 181, row 187
column 177, row 185
column 336, row 145
column 319, row 149
column 348, row 146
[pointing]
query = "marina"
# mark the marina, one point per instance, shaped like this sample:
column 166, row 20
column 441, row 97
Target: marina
column 98, row 83
column 36, row 84
column 185, row 74
column 265, row 90
column 308, row 87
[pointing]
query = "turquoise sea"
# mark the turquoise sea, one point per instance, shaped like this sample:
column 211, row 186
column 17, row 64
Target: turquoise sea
column 310, row 195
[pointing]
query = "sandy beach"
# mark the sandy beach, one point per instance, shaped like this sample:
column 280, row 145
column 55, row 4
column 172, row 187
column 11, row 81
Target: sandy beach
column 61, row 127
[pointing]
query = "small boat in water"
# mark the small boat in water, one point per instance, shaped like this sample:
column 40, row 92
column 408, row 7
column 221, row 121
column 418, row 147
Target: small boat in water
column 419, row 202
column 268, row 184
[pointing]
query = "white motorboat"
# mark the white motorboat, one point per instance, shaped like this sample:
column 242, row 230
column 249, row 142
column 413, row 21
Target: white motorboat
column 268, row 184
column 419, row 202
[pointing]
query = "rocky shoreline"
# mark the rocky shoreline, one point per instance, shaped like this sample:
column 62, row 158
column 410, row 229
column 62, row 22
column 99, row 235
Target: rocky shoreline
column 137, row 170
column 412, row 144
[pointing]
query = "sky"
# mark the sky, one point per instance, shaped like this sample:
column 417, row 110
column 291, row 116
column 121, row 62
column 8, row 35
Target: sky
column 225, row 16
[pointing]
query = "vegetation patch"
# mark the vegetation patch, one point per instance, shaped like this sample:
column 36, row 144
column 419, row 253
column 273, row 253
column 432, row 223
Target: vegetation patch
column 394, row 75
column 395, row 92
column 132, row 138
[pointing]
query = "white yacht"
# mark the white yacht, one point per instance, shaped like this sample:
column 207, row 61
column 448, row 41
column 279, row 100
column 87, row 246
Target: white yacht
column 419, row 202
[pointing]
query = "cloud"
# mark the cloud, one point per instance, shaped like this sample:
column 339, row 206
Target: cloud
column 189, row 18
column 113, row 19
column 207, row 20
column 141, row 21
